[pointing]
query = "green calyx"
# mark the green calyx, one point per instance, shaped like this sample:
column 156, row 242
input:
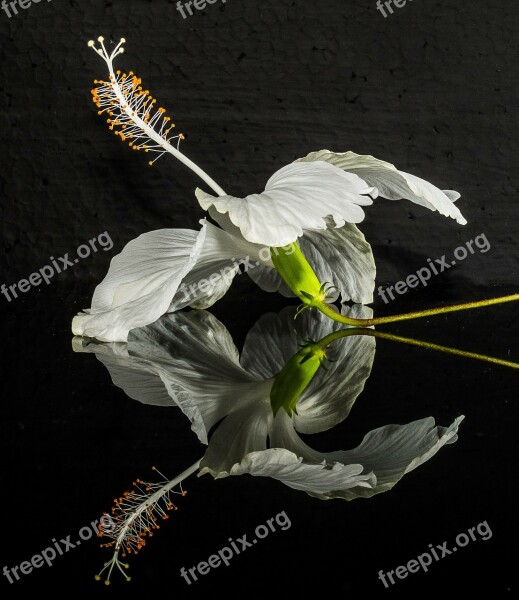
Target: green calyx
column 295, row 377
column 299, row 371
column 300, row 277
column 297, row 272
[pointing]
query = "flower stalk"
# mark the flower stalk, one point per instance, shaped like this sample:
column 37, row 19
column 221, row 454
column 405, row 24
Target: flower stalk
column 300, row 277
column 331, row 312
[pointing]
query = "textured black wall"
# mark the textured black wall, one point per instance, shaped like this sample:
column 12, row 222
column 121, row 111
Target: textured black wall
column 432, row 88
column 256, row 84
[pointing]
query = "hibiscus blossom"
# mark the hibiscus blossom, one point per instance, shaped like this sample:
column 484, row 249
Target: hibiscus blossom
column 298, row 233
column 190, row 360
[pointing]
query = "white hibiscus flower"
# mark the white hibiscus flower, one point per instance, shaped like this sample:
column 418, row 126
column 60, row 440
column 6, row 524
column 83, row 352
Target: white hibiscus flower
column 315, row 201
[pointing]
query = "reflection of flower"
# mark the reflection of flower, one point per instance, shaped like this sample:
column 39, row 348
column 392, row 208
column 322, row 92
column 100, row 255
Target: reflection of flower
column 190, row 360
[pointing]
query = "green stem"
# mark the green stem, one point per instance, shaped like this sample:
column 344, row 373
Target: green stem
column 331, row 312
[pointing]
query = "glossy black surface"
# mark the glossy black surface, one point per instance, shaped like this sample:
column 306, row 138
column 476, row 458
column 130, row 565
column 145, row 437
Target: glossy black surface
column 74, row 442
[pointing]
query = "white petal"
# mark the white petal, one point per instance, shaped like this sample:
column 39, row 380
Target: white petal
column 389, row 452
column 140, row 284
column 188, row 359
column 196, row 353
column 452, row 195
column 395, row 450
column 337, row 255
column 215, row 269
column 242, row 432
column 342, row 257
column 290, row 469
column 269, row 280
column 140, row 379
column 392, row 183
column 333, row 391
column 299, row 196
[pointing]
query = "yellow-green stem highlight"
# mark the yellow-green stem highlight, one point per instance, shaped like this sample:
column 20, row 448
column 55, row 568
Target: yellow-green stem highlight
column 331, row 312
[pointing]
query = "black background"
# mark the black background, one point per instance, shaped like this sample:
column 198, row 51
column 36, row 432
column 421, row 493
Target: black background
column 432, row 88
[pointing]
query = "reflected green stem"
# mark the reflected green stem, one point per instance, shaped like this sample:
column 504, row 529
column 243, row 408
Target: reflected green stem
column 337, row 335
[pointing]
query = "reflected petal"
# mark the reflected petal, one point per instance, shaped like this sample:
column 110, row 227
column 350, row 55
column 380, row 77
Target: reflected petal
column 288, row 468
column 331, row 395
column 138, row 378
column 275, row 338
column 242, row 432
column 389, row 452
column 199, row 355
column 191, row 356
